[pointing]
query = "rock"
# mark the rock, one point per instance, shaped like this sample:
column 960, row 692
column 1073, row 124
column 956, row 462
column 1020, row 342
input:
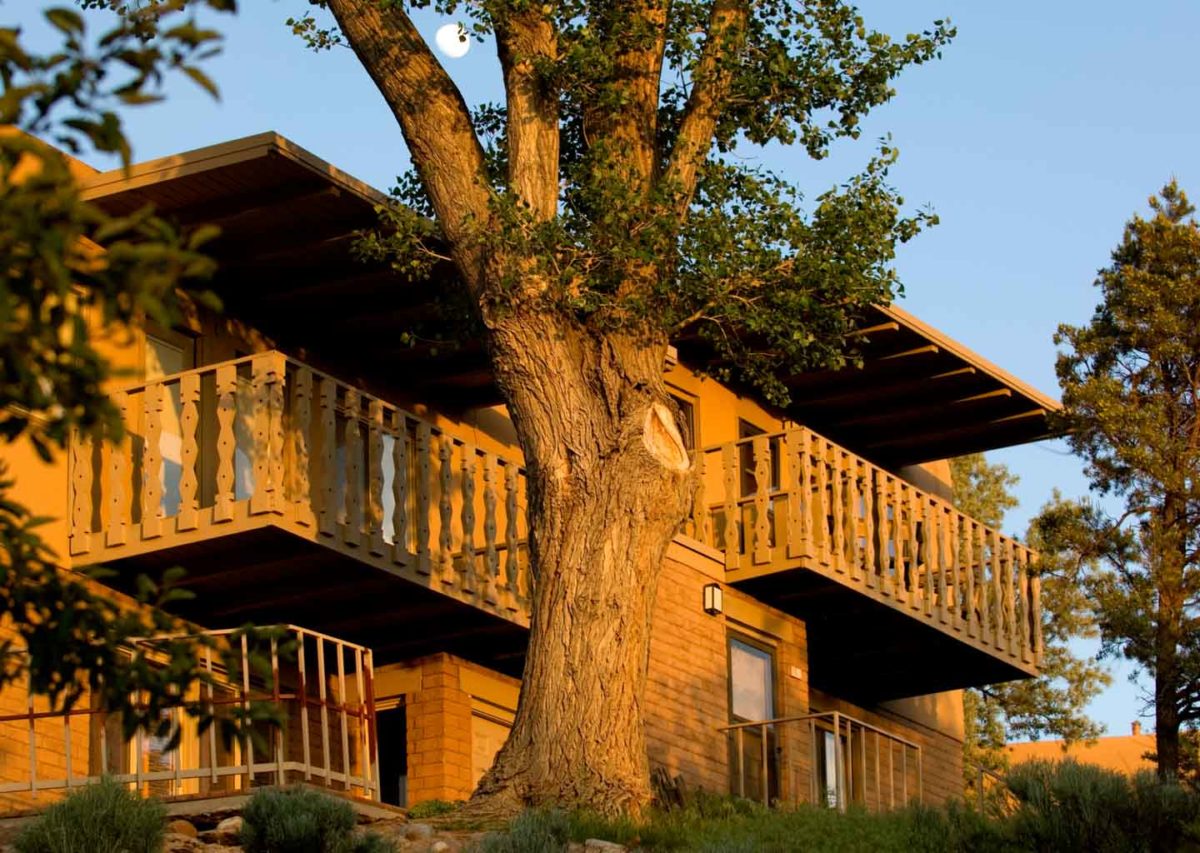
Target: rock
column 176, row 842
column 601, row 845
column 418, row 831
column 439, row 847
column 228, row 832
column 179, row 826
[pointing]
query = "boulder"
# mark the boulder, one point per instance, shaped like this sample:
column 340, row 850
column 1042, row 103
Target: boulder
column 179, row 826
column 175, row 842
column 228, row 832
column 418, row 832
column 601, row 846
column 439, row 847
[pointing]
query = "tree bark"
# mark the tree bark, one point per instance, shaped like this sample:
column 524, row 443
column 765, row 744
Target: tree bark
column 609, row 482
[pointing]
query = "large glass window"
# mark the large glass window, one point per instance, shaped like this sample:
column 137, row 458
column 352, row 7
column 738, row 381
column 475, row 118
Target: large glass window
column 752, row 699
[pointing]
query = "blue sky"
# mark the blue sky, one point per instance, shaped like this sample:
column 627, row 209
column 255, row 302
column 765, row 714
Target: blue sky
column 1042, row 129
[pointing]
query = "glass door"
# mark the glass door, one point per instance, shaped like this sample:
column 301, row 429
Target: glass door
column 752, row 763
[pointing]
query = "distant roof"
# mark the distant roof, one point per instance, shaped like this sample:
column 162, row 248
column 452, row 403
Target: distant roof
column 1125, row 754
column 288, row 221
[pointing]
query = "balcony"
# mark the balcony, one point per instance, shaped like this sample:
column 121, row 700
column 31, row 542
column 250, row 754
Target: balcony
column 902, row 593
column 289, row 495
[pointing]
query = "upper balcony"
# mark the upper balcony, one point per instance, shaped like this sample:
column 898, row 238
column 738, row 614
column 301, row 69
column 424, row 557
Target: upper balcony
column 902, row 594
column 283, row 490
column 292, row 496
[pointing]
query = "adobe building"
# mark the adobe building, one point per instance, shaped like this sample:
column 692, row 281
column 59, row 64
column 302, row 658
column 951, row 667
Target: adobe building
column 817, row 617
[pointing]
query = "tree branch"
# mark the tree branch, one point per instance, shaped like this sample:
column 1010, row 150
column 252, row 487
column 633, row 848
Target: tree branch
column 710, row 87
column 433, row 117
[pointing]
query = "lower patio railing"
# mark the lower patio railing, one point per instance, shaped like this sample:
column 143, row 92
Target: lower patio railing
column 825, row 758
column 320, row 687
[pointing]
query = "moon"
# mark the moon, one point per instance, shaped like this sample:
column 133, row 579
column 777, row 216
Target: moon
column 452, row 40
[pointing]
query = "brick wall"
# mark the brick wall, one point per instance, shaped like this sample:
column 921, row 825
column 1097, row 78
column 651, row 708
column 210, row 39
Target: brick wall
column 439, row 733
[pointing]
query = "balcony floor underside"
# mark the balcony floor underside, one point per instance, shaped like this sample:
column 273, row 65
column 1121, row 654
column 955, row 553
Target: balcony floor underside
column 268, row 575
column 866, row 649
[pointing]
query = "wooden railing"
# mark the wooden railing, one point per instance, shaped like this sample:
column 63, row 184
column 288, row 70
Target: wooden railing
column 267, row 439
column 846, row 761
column 796, row 499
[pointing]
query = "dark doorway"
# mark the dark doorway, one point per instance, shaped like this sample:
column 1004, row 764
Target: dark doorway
column 392, row 727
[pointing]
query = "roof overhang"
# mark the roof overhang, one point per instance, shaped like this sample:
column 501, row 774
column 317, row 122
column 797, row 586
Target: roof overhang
column 288, row 222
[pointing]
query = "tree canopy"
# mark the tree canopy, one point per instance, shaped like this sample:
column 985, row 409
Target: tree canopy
column 1130, row 378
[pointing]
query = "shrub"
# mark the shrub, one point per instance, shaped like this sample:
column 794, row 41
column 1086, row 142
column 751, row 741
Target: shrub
column 431, row 808
column 535, row 831
column 101, row 818
column 298, row 820
column 1066, row 806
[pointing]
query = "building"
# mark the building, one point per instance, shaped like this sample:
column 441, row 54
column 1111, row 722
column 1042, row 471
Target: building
column 1127, row 754
column 816, row 621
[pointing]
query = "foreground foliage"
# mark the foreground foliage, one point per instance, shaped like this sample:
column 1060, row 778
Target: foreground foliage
column 1060, row 806
column 101, row 818
column 301, row 820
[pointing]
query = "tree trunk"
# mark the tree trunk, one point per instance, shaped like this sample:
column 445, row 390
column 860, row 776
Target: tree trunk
column 609, row 481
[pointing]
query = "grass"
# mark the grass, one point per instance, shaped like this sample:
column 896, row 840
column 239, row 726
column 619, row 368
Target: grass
column 1060, row 808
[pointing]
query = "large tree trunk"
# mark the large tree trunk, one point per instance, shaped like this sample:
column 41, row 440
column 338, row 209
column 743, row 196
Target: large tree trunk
column 609, row 483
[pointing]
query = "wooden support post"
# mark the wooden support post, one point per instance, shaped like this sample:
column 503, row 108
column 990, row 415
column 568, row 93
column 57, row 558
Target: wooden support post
column 189, row 451
column 226, row 442
column 152, row 493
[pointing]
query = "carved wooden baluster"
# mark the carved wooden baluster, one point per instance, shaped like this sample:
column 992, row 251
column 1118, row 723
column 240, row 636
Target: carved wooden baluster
column 1001, row 632
column 915, row 533
column 1035, row 616
column 805, row 497
column 1010, row 599
column 512, row 567
column 327, row 456
column 985, row 621
column 491, row 557
column 424, row 497
column 1019, row 556
column 788, row 544
column 467, row 559
column 900, row 537
column 930, row 553
column 968, row 571
column 261, row 376
column 732, row 540
column 700, row 528
column 226, row 442
column 117, row 455
column 823, row 504
column 302, row 443
column 954, row 569
column 885, row 532
column 837, row 476
column 81, row 492
column 352, row 444
column 189, row 451
column 277, row 461
column 865, row 502
column 400, row 487
column 944, row 559
column 152, row 496
column 762, row 499
column 375, row 476
column 446, row 511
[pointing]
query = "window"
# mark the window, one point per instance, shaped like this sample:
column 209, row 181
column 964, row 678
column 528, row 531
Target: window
column 746, row 461
column 752, row 699
column 687, row 420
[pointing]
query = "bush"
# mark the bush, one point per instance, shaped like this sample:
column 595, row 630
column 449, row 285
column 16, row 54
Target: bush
column 299, row 820
column 101, row 818
column 431, row 808
column 1066, row 806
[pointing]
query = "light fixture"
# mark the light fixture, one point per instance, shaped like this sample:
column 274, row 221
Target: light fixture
column 713, row 596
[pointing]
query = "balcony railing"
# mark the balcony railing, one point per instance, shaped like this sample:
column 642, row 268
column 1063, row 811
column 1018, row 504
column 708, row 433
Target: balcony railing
column 267, row 440
column 796, row 500
column 320, row 687
column 827, row 759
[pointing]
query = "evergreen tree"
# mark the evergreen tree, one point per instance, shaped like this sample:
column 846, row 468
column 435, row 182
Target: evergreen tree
column 1130, row 379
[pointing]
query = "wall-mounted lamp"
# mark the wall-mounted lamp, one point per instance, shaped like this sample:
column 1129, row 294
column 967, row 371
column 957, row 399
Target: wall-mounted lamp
column 713, row 599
